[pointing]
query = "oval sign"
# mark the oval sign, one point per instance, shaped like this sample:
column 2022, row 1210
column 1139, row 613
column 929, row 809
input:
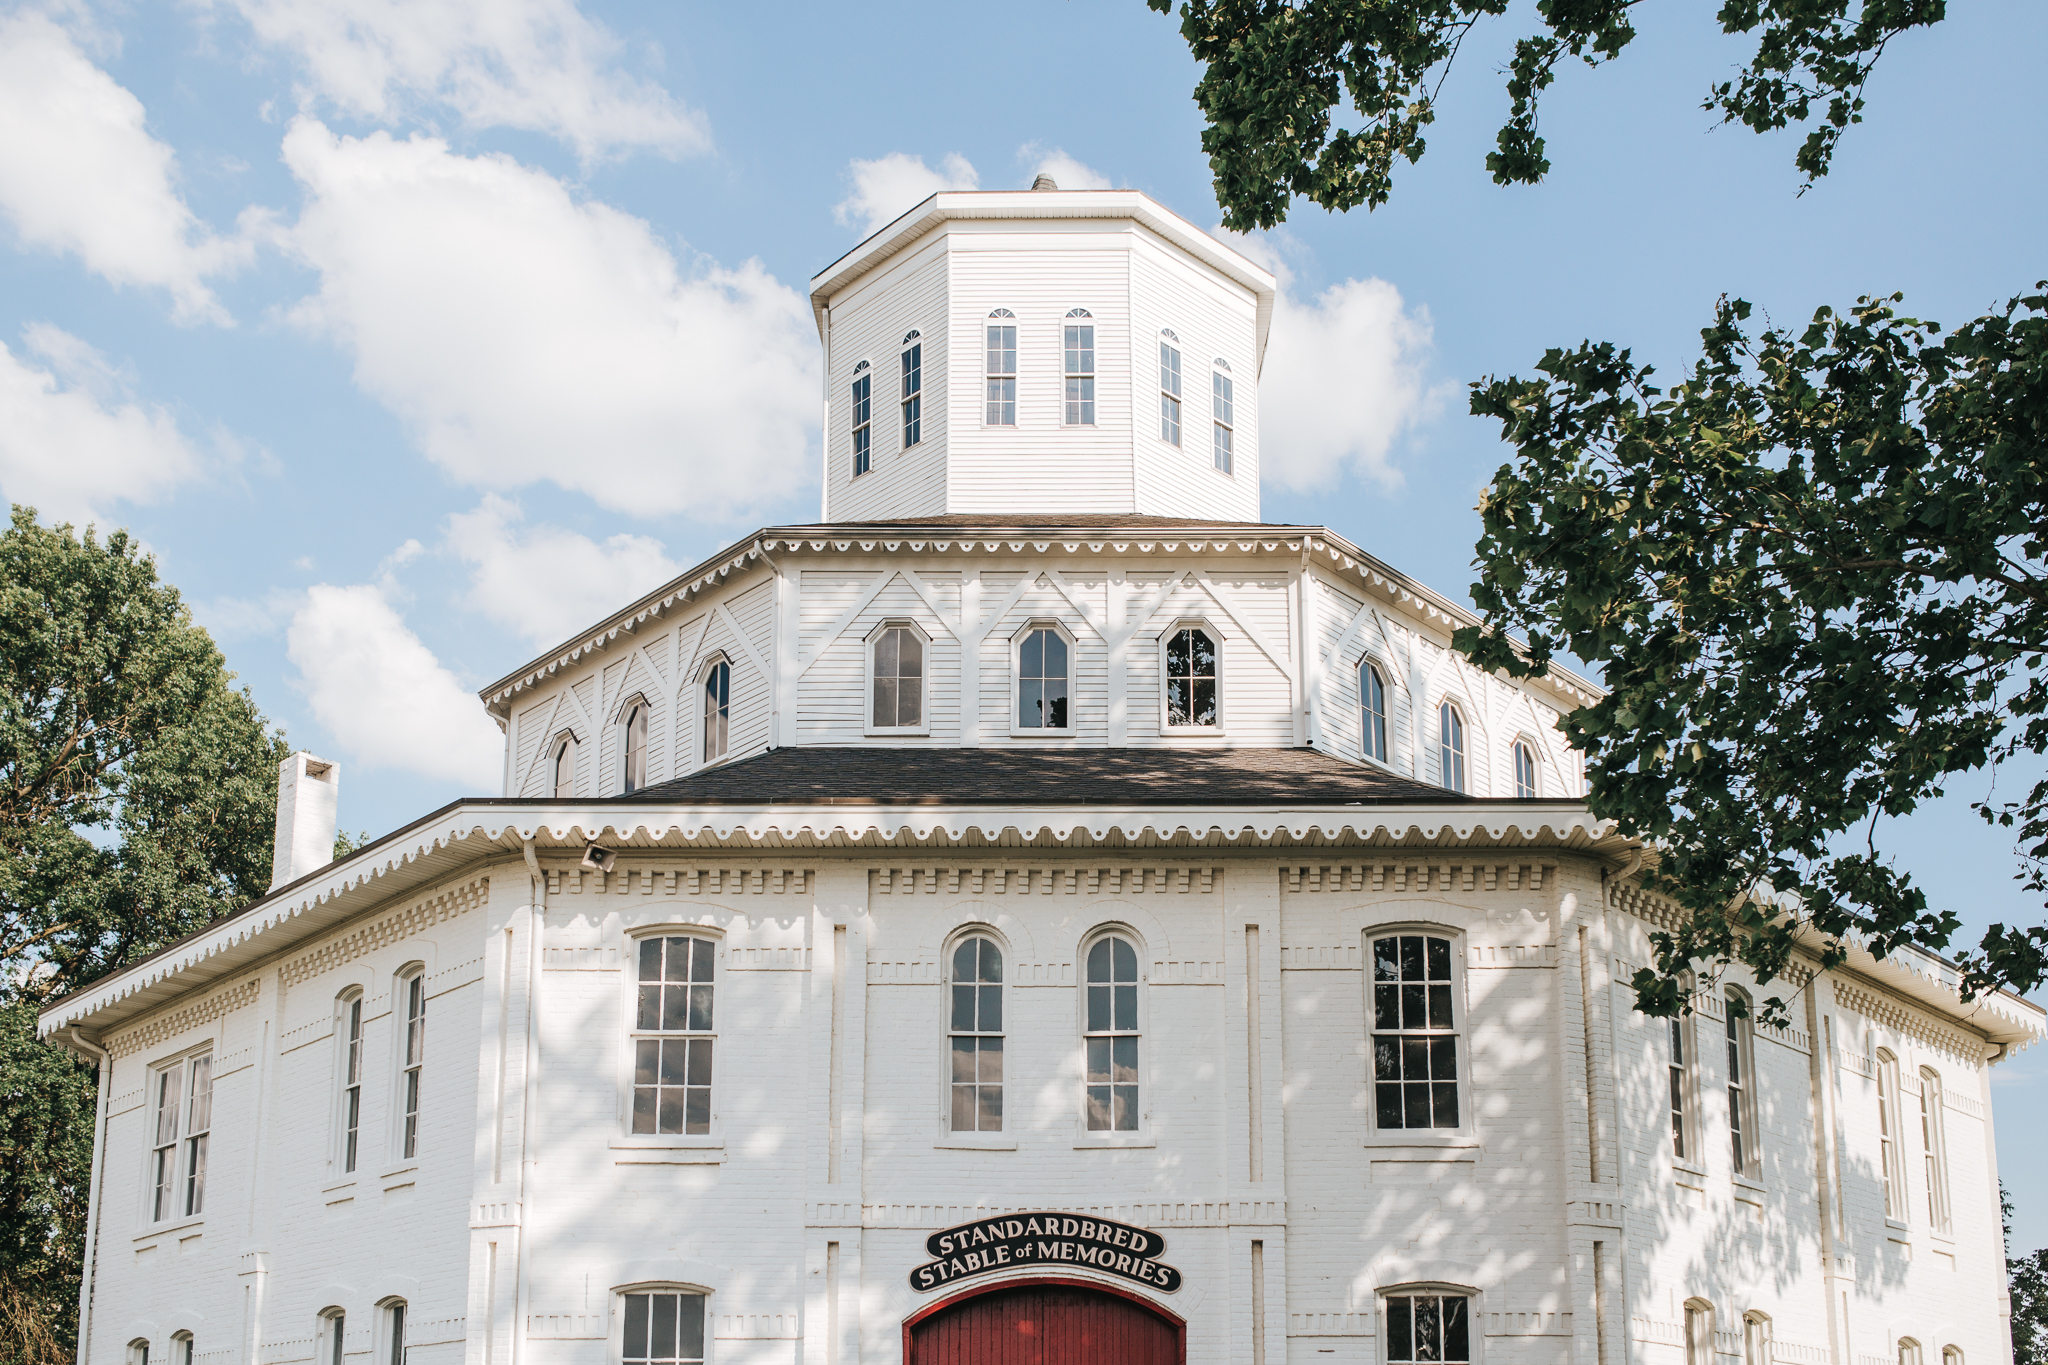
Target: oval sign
column 1024, row 1240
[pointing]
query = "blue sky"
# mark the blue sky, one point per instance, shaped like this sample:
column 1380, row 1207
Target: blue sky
column 409, row 336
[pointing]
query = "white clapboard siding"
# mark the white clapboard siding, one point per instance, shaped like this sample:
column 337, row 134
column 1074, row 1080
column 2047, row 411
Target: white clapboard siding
column 1212, row 316
column 869, row 322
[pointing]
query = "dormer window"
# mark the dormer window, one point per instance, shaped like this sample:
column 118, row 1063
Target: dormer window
column 1169, row 389
column 896, row 669
column 863, row 429
column 1190, row 660
column 1002, row 369
column 1080, row 369
column 1044, row 671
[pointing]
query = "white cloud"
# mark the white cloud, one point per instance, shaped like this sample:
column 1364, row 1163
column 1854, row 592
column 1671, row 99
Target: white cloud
column 890, row 185
column 72, row 437
column 524, row 336
column 1346, row 373
column 383, row 696
column 546, row 582
column 1066, row 171
column 541, row 65
column 80, row 173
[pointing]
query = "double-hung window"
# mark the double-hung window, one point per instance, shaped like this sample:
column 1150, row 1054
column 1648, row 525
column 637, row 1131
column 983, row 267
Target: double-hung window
column 1080, row 370
column 635, row 735
column 863, row 427
column 1414, row 1033
column 394, row 1322
column 1190, row 677
column 1002, row 370
column 1742, row 1142
column 1169, row 389
column 351, row 1080
column 1891, row 1166
column 1678, row 1070
column 673, row 1036
column 565, row 767
column 333, row 1328
column 976, row 1036
column 1111, row 1040
column 717, row 709
column 1450, row 726
column 1934, row 1151
column 1435, row 1328
column 1223, row 407
column 898, row 670
column 1525, row 770
column 913, row 390
column 1372, row 708
column 182, row 1097
column 1042, row 675
column 413, row 993
column 664, row 1327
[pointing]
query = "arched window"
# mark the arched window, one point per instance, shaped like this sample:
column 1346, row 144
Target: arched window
column 1372, row 711
column 1525, row 770
column 1889, row 1159
column 634, row 732
column 913, row 390
column 1044, row 665
column 663, row 1327
column 1909, row 1351
column 1111, row 1036
column 1191, row 677
column 1699, row 1332
column 1223, row 408
column 863, row 427
column 181, row 1348
column 717, row 709
column 394, row 1332
column 565, row 766
column 138, row 1351
column 897, row 668
column 1450, row 726
column 1934, row 1151
column 1756, row 1339
column 333, row 1333
column 1169, row 388
column 1002, row 370
column 412, row 1001
column 351, row 1072
column 1434, row 1328
column 975, row 1034
column 1744, row 1149
column 673, row 1035
column 1951, row 1355
column 1414, row 1032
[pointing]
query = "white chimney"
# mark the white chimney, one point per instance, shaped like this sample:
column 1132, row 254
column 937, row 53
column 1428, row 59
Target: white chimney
column 306, row 790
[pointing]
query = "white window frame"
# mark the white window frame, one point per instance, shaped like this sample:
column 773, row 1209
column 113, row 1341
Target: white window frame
column 1460, row 1030
column 1475, row 1317
column 634, row 707
column 1756, row 1338
column 331, row 1340
column 1079, row 318
column 1223, row 418
column 1519, row 747
column 1368, row 663
column 390, row 1347
column 1697, row 1326
column 183, row 1347
column 1169, row 343
column 711, row 1145
column 351, row 1011
column 171, row 1078
column 860, row 415
column 912, row 425
column 1891, row 1138
column 1000, row 317
column 700, row 693
column 408, row 1074
column 561, row 738
column 1142, row 1135
column 1004, row 1139
column 867, row 696
column 138, row 1351
column 1909, row 1352
column 1017, row 727
column 1222, row 643
column 1934, row 1154
column 1738, row 1041
column 1681, row 1029
column 1454, row 707
column 616, row 1335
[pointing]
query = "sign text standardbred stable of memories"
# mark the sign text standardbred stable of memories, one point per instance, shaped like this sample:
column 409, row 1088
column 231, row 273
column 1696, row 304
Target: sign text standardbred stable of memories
column 1031, row 1240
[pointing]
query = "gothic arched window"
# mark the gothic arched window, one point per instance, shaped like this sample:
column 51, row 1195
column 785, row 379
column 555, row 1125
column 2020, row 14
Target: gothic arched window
column 1372, row 712
column 1451, row 746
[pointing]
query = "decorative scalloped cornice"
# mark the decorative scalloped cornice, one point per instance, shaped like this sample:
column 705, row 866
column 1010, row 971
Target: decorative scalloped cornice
column 403, row 924
column 157, row 1028
column 1902, row 1018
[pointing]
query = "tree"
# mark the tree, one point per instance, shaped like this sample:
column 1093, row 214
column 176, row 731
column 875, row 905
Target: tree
column 1279, row 71
column 137, row 802
column 1814, row 575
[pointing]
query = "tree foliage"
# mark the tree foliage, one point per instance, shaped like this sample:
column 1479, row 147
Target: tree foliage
column 137, row 802
column 1279, row 73
column 1814, row 575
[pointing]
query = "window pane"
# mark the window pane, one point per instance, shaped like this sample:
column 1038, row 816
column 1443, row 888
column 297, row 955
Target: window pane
column 1031, row 655
column 1126, row 1008
column 662, row 1337
column 1030, row 703
column 675, row 1008
column 699, row 1116
column 991, row 961
column 1125, row 1101
column 1098, row 1009
column 1124, row 1060
column 991, row 1106
column 690, row 1326
column 885, row 701
column 1400, row 1329
column 963, row 1008
column 1439, row 1006
column 700, row 1009
column 1126, row 960
column 963, row 1060
column 1386, row 961
column 911, row 651
column 636, row 1326
column 671, row 1110
column 1098, row 961
column 1098, row 1108
column 1387, row 1104
column 1098, row 1059
column 991, row 1009
column 964, row 1106
column 1386, row 1007
column 1457, row 1336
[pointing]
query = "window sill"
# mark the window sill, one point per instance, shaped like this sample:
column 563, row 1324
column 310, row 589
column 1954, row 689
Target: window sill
column 881, row 732
column 1687, row 1173
column 1040, row 732
column 1397, row 1143
column 402, row 1168
column 1192, row 731
column 978, row 1142
column 173, row 1225
column 1897, row 1225
column 1744, row 1183
column 338, row 1186
column 667, row 1142
column 1112, row 1141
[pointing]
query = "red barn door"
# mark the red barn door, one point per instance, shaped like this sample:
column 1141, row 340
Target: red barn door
column 1044, row 1322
